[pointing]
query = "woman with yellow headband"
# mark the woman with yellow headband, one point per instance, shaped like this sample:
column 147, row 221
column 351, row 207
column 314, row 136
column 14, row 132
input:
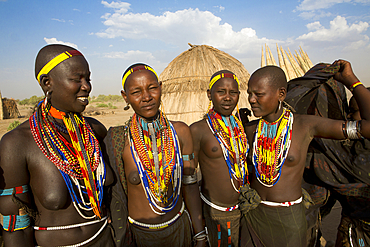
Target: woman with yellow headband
column 154, row 157
column 220, row 147
column 53, row 172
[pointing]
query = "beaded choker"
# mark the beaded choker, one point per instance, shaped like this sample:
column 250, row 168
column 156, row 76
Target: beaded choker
column 159, row 165
column 229, row 132
column 271, row 146
column 80, row 163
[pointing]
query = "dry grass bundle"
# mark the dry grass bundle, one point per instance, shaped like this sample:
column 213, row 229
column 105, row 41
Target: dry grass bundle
column 186, row 78
column 293, row 65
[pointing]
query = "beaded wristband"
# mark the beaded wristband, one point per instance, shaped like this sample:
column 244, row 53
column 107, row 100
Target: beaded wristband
column 13, row 223
column 355, row 84
column 188, row 157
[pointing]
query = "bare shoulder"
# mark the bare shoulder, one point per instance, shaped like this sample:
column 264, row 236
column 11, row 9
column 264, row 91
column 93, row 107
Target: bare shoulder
column 98, row 128
column 181, row 128
column 18, row 136
column 15, row 147
column 199, row 127
column 185, row 137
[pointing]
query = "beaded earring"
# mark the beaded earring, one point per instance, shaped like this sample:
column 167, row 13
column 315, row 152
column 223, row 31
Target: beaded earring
column 279, row 105
column 209, row 105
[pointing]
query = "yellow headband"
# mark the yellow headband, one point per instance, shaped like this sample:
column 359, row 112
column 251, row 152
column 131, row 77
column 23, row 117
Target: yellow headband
column 55, row 61
column 132, row 70
column 223, row 75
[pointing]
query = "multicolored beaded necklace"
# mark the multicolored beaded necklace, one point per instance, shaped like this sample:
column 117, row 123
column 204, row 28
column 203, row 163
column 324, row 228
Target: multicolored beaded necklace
column 271, row 146
column 229, row 132
column 80, row 162
column 159, row 165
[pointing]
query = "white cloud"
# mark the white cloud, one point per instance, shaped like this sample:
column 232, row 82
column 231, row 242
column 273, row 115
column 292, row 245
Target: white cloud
column 182, row 26
column 340, row 33
column 308, row 5
column 315, row 15
column 313, row 9
column 77, row 10
column 54, row 19
column 55, row 41
column 132, row 55
column 119, row 7
column 314, row 25
column 221, row 8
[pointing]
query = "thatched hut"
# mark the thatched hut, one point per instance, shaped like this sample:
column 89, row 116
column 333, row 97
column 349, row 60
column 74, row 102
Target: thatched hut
column 185, row 81
column 10, row 109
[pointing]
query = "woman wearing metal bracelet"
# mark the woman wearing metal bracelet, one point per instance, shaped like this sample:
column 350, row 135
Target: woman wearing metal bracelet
column 272, row 205
column 53, row 173
column 154, row 159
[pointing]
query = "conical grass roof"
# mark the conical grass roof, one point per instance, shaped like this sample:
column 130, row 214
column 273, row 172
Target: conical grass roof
column 185, row 81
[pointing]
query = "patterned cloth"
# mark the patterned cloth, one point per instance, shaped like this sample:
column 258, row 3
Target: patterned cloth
column 353, row 232
column 115, row 144
column 223, row 227
column 317, row 93
column 179, row 234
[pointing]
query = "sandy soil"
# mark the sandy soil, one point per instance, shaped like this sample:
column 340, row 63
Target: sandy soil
column 108, row 117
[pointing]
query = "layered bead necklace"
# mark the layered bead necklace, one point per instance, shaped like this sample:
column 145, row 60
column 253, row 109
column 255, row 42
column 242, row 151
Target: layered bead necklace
column 80, row 162
column 156, row 151
column 271, row 146
column 229, row 132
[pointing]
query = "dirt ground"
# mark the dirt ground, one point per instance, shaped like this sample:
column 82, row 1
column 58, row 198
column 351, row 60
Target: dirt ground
column 108, row 117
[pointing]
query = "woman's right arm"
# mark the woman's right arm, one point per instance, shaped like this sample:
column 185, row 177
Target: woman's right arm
column 14, row 174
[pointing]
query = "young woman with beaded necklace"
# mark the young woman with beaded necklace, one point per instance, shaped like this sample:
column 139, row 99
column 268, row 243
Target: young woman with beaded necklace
column 52, row 165
column 273, row 205
column 154, row 159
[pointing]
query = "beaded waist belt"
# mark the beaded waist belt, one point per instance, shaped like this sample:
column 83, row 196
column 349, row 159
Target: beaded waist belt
column 90, row 239
column 282, row 204
column 161, row 225
column 219, row 208
column 55, row 228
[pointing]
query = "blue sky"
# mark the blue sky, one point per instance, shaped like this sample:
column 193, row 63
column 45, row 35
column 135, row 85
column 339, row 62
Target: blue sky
column 115, row 34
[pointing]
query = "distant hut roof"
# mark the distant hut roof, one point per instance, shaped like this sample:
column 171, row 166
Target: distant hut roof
column 185, row 81
column 10, row 109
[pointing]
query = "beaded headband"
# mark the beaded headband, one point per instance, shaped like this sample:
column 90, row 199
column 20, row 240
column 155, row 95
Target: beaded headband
column 132, row 70
column 55, row 61
column 223, row 75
